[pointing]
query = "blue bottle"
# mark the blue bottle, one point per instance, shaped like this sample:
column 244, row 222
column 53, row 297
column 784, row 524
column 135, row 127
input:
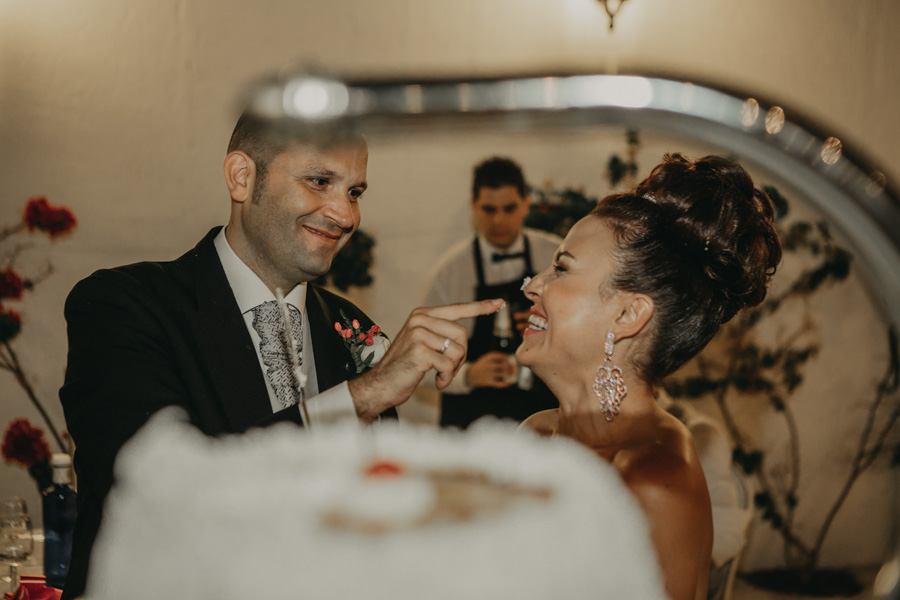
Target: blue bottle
column 59, row 519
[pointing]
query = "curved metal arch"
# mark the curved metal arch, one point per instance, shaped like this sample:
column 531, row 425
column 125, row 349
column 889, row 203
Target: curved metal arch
column 857, row 202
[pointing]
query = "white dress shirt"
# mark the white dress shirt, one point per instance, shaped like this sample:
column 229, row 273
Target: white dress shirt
column 249, row 291
column 454, row 277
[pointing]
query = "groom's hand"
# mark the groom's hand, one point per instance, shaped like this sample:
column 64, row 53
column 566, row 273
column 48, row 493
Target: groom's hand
column 430, row 339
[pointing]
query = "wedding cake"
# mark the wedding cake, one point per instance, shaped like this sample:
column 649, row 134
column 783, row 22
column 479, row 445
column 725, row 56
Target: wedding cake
column 386, row 512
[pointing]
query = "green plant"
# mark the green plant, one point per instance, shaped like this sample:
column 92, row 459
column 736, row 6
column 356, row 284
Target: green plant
column 556, row 210
column 738, row 362
column 353, row 264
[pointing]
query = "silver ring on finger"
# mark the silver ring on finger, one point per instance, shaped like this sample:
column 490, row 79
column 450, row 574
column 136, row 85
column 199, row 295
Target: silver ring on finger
column 446, row 345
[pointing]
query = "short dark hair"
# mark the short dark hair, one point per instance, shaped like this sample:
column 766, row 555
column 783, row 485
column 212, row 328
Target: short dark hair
column 699, row 239
column 497, row 172
column 260, row 138
column 264, row 138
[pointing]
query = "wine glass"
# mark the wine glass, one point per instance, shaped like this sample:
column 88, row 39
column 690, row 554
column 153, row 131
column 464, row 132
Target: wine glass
column 16, row 539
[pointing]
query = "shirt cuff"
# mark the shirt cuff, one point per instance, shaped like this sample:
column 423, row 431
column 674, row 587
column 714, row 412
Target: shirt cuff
column 458, row 385
column 332, row 405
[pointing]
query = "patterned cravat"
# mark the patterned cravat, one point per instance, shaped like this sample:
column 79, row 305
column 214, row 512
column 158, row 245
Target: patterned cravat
column 273, row 345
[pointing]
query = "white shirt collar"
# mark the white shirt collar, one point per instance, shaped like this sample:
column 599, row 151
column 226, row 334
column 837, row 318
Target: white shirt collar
column 248, row 288
column 487, row 248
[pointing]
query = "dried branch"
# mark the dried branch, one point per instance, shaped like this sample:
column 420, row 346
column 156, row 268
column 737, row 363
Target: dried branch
column 13, row 365
column 10, row 231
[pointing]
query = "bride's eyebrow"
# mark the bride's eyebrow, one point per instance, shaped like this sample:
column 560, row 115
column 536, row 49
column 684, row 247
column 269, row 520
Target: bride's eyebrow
column 562, row 253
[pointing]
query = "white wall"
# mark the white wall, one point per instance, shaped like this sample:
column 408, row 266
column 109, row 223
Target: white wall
column 122, row 110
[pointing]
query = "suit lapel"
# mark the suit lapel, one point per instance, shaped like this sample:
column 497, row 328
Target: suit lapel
column 333, row 363
column 224, row 343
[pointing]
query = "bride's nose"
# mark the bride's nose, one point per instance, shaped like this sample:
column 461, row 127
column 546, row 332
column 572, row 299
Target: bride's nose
column 531, row 286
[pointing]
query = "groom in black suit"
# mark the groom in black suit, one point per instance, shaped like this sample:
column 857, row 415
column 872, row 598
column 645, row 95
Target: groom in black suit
column 192, row 332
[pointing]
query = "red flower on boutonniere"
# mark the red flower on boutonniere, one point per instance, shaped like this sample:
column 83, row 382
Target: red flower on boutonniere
column 366, row 347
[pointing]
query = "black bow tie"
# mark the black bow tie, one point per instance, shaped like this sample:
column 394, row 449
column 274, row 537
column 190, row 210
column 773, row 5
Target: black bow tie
column 497, row 257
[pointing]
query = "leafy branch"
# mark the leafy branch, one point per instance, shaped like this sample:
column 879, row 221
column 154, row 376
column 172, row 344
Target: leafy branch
column 743, row 366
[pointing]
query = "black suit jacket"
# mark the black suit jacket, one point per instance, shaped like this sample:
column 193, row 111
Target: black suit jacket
column 150, row 335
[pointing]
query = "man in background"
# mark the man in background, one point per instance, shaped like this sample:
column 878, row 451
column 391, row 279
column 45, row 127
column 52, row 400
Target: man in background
column 492, row 264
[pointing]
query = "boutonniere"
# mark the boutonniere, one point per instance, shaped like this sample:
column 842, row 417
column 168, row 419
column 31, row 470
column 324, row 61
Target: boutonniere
column 366, row 347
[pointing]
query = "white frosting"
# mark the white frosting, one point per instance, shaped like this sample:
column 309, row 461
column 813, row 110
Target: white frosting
column 242, row 517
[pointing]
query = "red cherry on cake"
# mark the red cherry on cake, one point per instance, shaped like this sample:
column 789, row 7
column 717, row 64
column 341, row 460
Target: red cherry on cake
column 383, row 468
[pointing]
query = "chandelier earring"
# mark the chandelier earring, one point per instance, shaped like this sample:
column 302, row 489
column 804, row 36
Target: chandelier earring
column 608, row 384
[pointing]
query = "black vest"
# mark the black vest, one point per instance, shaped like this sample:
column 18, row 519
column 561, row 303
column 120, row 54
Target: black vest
column 460, row 410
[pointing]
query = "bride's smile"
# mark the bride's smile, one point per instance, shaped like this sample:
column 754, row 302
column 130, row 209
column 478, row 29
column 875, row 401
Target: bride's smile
column 573, row 304
column 536, row 324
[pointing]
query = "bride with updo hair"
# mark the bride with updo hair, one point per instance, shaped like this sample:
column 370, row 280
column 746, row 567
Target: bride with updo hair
column 637, row 288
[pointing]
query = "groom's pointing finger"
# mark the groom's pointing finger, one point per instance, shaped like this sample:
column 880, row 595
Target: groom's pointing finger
column 463, row 310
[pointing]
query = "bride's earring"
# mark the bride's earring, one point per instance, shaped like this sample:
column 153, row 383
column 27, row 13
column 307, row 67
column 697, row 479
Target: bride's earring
column 608, row 384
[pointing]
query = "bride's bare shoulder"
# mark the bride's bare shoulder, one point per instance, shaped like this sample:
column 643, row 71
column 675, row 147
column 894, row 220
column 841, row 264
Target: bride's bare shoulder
column 668, row 481
column 545, row 423
column 668, row 459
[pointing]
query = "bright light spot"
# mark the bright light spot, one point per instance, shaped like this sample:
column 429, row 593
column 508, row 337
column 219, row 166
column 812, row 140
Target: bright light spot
column 315, row 98
column 775, row 120
column 749, row 112
column 549, row 95
column 831, row 151
column 633, row 92
column 630, row 92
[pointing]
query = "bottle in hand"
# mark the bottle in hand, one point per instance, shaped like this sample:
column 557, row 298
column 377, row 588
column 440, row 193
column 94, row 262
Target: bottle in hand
column 505, row 341
column 503, row 332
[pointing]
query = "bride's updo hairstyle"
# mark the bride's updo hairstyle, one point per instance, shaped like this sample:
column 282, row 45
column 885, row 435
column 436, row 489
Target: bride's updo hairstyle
column 698, row 238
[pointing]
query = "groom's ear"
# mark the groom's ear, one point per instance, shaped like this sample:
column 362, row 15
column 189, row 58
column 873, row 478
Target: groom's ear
column 637, row 309
column 240, row 175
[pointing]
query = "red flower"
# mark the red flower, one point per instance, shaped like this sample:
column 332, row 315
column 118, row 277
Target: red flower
column 11, row 284
column 347, row 333
column 55, row 220
column 10, row 324
column 337, row 327
column 24, row 444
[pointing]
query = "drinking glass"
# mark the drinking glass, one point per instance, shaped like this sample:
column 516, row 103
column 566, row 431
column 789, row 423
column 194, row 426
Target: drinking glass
column 16, row 539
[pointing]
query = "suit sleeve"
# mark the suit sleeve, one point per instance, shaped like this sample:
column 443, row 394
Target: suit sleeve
column 120, row 371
